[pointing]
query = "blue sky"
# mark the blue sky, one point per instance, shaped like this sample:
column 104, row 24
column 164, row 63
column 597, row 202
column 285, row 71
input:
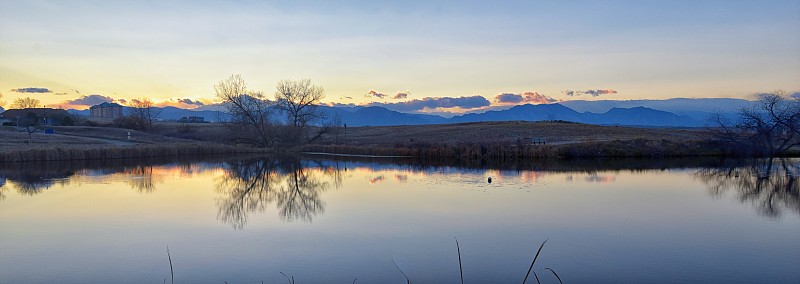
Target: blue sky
column 177, row 50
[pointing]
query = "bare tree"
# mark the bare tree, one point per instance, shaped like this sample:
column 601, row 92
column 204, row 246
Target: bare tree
column 771, row 127
column 142, row 113
column 30, row 121
column 28, row 102
column 299, row 101
column 250, row 112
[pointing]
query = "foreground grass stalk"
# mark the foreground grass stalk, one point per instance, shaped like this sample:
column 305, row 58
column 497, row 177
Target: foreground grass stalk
column 556, row 274
column 460, row 269
column 401, row 271
column 171, row 272
column 534, row 261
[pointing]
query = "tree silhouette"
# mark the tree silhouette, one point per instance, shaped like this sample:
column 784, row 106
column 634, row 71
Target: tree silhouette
column 27, row 102
column 770, row 128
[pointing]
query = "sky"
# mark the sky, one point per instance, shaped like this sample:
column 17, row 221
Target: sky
column 419, row 56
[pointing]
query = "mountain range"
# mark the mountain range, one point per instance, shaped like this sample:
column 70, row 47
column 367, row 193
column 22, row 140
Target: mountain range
column 679, row 112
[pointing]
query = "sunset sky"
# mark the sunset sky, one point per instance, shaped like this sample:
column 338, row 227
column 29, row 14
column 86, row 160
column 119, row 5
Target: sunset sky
column 424, row 55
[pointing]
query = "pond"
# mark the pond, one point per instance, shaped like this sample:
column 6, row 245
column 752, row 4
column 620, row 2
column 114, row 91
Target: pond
column 318, row 220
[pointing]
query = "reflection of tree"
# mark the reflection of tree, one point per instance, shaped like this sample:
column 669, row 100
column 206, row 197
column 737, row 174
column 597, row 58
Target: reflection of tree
column 250, row 185
column 141, row 178
column 2, row 190
column 299, row 197
column 32, row 180
column 770, row 185
column 246, row 187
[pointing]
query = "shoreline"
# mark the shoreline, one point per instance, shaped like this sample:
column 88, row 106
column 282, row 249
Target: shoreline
column 78, row 152
column 638, row 148
column 641, row 148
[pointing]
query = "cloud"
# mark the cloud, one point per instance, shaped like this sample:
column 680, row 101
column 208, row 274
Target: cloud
column 526, row 97
column 334, row 104
column 191, row 102
column 347, row 97
column 374, row 93
column 32, row 90
column 89, row 100
column 184, row 103
column 430, row 103
column 508, row 98
column 593, row 93
column 400, row 95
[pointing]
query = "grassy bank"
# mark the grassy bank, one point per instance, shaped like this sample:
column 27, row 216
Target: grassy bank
column 66, row 152
column 97, row 143
column 490, row 141
column 501, row 152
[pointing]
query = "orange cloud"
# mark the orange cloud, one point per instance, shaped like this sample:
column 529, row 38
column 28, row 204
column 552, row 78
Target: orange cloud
column 523, row 98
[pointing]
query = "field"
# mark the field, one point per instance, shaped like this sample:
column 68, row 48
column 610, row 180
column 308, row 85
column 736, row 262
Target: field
column 84, row 143
column 506, row 132
column 440, row 140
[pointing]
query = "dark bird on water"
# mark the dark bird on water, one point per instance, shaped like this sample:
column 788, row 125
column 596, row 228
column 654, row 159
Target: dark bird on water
column 490, row 179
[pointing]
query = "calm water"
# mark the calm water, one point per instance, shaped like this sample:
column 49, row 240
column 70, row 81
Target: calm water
column 326, row 221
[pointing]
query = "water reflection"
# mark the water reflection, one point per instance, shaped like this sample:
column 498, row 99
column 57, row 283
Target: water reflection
column 142, row 175
column 33, row 179
column 248, row 185
column 770, row 185
column 251, row 185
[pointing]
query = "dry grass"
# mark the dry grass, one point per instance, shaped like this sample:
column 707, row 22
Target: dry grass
column 83, row 143
column 507, row 132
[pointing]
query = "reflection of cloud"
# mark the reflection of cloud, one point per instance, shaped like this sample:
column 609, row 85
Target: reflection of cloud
column 531, row 176
column 401, row 178
column 376, row 179
column 601, row 179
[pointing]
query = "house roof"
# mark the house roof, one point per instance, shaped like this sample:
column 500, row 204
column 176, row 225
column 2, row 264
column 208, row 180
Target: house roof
column 40, row 112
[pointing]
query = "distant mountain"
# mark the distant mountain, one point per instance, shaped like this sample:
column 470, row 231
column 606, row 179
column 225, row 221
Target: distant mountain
column 638, row 116
column 699, row 110
column 525, row 112
column 615, row 116
column 379, row 116
column 675, row 105
column 672, row 112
